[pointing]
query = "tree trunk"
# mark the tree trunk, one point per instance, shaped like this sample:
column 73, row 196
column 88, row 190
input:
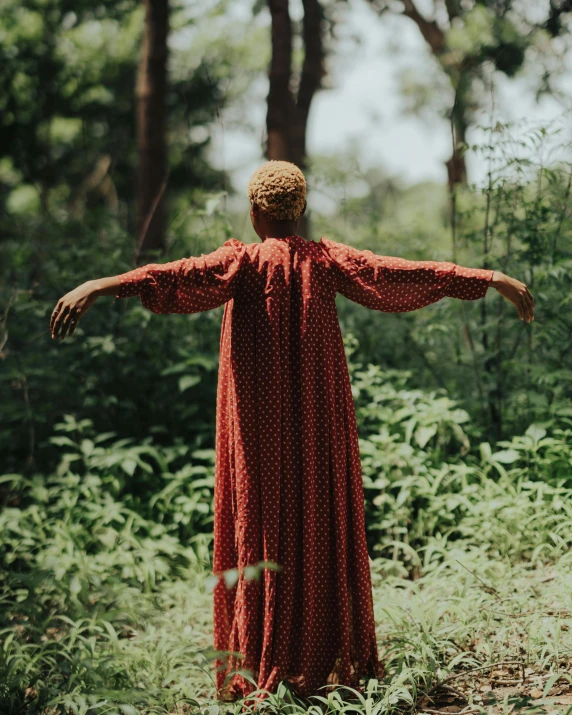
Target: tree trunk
column 151, row 143
column 436, row 40
column 311, row 77
column 281, row 105
column 287, row 115
column 456, row 167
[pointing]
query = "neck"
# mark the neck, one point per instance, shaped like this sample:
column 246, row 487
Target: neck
column 280, row 229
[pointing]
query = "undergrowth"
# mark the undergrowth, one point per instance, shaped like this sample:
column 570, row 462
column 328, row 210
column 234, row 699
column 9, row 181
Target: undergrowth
column 106, row 603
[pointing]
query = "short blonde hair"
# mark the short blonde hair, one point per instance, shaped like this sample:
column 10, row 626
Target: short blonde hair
column 279, row 189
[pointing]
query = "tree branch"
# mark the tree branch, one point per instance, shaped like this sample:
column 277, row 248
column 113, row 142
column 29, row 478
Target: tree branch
column 432, row 33
column 313, row 67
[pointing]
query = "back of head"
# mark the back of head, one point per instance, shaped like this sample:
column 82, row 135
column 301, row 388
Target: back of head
column 278, row 188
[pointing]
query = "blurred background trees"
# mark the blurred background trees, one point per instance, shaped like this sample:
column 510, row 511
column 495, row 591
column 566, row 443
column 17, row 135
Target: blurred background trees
column 127, row 134
column 470, row 41
column 128, row 131
column 109, row 114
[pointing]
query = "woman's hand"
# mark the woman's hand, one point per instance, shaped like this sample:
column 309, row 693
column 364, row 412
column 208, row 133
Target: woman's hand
column 517, row 293
column 71, row 307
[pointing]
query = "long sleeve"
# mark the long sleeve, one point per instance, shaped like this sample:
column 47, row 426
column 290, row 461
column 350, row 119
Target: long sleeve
column 189, row 285
column 396, row 285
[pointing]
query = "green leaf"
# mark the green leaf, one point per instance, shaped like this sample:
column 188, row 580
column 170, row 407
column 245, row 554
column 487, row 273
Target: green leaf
column 11, row 478
column 204, row 454
column 87, row 447
column 210, row 582
column 212, row 204
column 505, row 456
column 230, row 577
column 127, row 709
column 62, row 441
column 424, row 434
column 188, row 381
column 536, row 432
column 550, row 682
column 251, row 573
column 486, row 452
column 129, row 465
column 108, row 537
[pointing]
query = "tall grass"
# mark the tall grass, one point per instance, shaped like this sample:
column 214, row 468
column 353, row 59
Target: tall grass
column 105, row 589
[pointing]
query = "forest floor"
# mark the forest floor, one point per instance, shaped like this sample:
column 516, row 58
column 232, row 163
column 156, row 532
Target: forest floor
column 471, row 635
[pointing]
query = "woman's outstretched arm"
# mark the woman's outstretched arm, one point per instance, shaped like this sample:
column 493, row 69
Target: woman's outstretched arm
column 189, row 285
column 77, row 302
column 396, row 285
column 516, row 292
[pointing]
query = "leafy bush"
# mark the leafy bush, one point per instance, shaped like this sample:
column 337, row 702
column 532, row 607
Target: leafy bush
column 427, row 485
column 85, row 554
column 122, row 359
column 99, row 556
column 506, row 373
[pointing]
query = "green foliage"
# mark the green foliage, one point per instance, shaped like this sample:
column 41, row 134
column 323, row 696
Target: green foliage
column 507, row 374
column 104, row 560
column 92, row 523
column 426, row 488
column 105, row 533
column 106, row 496
column 86, row 554
column 67, row 125
column 122, row 359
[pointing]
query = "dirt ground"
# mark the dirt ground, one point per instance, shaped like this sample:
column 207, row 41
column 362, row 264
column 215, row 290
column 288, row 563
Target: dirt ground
column 508, row 688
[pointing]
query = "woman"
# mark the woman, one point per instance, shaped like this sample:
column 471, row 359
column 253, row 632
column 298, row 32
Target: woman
column 288, row 481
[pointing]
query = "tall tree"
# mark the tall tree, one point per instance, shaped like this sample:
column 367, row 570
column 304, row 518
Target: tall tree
column 465, row 37
column 50, row 136
column 151, row 93
column 288, row 110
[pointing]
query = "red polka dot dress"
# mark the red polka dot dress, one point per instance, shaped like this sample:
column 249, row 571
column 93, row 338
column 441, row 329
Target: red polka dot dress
column 288, row 481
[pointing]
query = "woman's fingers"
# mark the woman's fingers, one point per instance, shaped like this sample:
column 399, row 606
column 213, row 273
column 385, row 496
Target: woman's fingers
column 58, row 321
column 69, row 319
column 70, row 308
column 518, row 294
column 55, row 314
column 527, row 304
column 58, row 315
column 530, row 295
column 529, row 309
column 66, row 317
column 530, row 299
column 73, row 324
column 526, row 311
column 522, row 299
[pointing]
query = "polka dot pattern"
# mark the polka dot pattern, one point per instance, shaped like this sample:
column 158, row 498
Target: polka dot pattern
column 288, row 480
column 396, row 285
